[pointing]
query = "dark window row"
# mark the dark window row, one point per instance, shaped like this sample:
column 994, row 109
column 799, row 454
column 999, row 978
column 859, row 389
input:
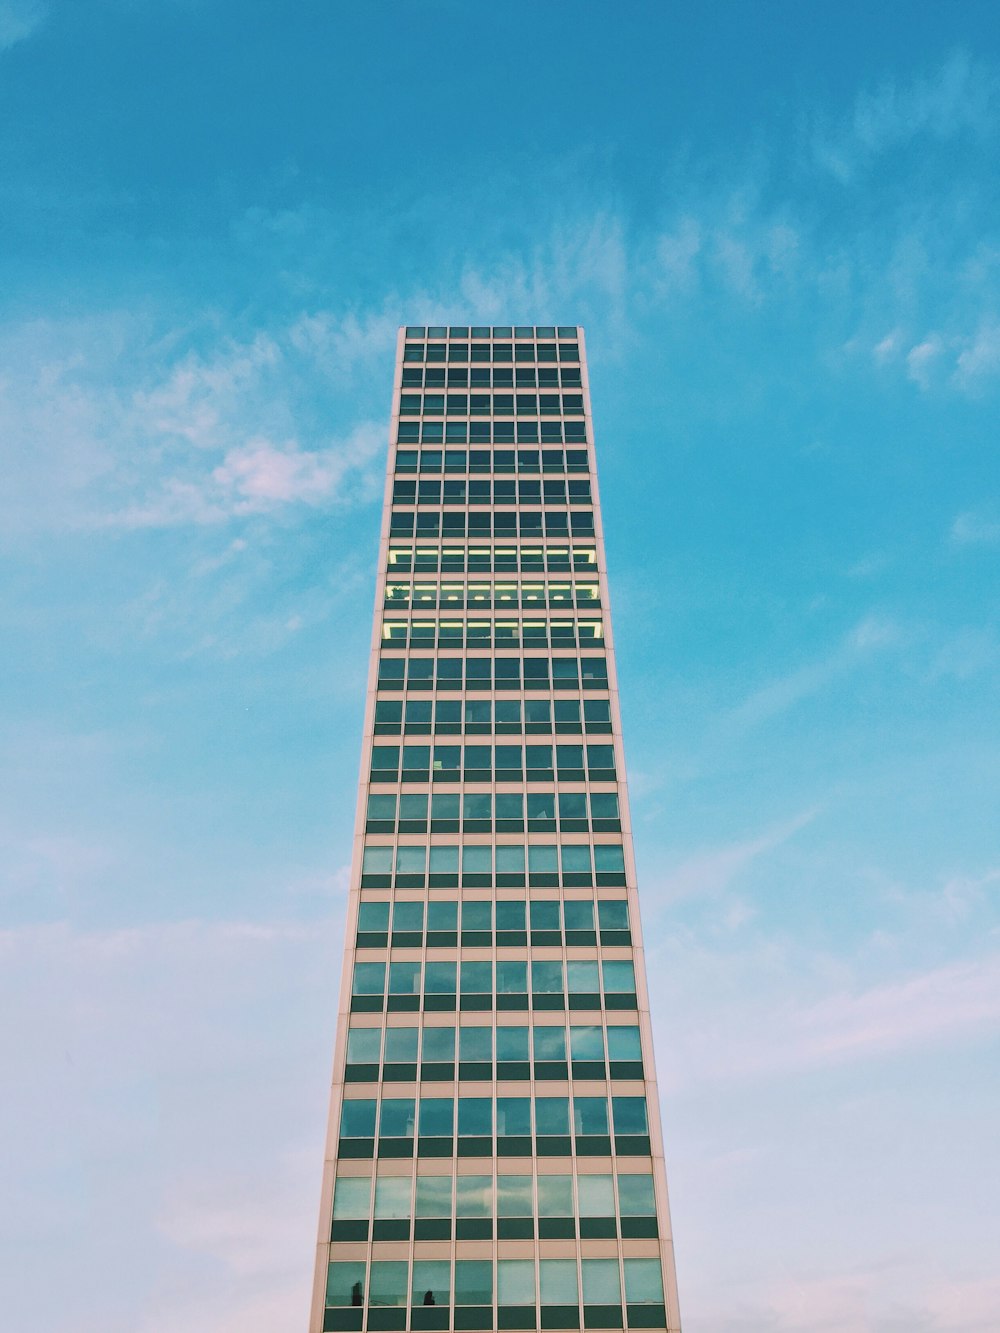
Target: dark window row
column 476, row 811
column 525, row 461
column 462, row 353
column 489, row 763
column 482, row 717
column 547, row 865
column 491, row 404
column 436, row 923
column 505, row 673
column 482, row 377
column 492, row 460
column 533, row 633
column 564, row 1294
column 420, row 331
column 434, row 492
column 444, row 988
column 479, row 596
column 481, row 524
column 485, row 432
column 516, row 1207
column 486, row 559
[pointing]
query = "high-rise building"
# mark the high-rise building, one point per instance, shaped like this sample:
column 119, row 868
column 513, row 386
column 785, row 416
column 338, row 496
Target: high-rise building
column 494, row 1158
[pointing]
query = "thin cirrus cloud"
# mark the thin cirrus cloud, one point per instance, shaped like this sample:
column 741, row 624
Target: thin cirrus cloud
column 20, row 19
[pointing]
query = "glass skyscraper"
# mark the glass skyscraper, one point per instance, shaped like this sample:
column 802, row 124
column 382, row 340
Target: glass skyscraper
column 494, row 1157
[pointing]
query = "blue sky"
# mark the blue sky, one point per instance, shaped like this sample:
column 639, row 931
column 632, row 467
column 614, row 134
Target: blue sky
column 778, row 223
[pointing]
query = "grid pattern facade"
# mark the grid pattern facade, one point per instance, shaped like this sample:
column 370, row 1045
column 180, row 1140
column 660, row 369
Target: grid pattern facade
column 494, row 1156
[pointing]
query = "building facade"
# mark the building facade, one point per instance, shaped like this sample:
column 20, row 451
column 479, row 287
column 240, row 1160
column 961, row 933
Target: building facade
column 494, row 1156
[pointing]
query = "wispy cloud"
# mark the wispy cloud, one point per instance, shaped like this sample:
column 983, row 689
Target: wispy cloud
column 976, row 528
column 712, row 871
column 20, row 19
column 961, row 97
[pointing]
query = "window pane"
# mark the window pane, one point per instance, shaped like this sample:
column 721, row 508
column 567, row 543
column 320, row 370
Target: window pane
column 555, row 1196
column 377, row 861
column 551, row 1115
column 515, row 1282
column 557, row 1281
column 475, row 1115
column 512, row 1042
column 643, row 1281
column 597, row 1197
column 636, row 1197
column 352, row 1197
column 473, row 1282
column 550, row 1043
column 474, row 1196
column 345, row 1284
column 514, row 1196
column 476, row 1044
column 437, row 1117
column 357, row 1119
column 433, row 1196
column 601, row 1282
column 586, row 1043
column 630, row 1115
column 400, row 1045
column 590, row 1115
column 392, row 1196
column 624, row 1043
column 431, row 1283
column 439, row 1045
column 363, row 1046
column 387, row 1285
column 619, row 976
column 396, row 1118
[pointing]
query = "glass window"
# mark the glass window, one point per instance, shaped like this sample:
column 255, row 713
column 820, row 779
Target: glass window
column 397, row 1117
column 473, row 1282
column 513, row 1116
column 555, row 1196
column 609, row 860
column 586, row 1042
column 373, row 917
column 512, row 977
column 550, row 1043
column 377, row 861
column 404, row 978
column 382, row 807
column 444, row 806
column 546, row 976
column 444, row 861
column 643, row 1282
column 345, row 1284
column 551, row 1115
column 590, row 1115
column 477, row 860
column 407, row 917
column 442, row 916
column 439, row 1045
column 437, row 1118
column 357, row 1118
column 515, row 1281
column 476, row 1044
column 387, row 1283
column 510, row 860
column 636, row 1197
column 619, row 976
column 630, row 1115
column 363, row 1045
column 612, row 913
column 439, row 978
column 369, row 979
column 513, row 1196
column 431, row 1282
column 401, row 1045
column 576, row 859
column 542, row 859
column 557, row 1281
column 624, row 1043
column 411, row 860
column 433, row 1194
column 475, row 1116
column 597, row 1196
column 392, row 1196
column 413, row 805
column 601, row 1279
column 582, row 978
column 474, row 1196
column 512, row 1042
column 352, row 1197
